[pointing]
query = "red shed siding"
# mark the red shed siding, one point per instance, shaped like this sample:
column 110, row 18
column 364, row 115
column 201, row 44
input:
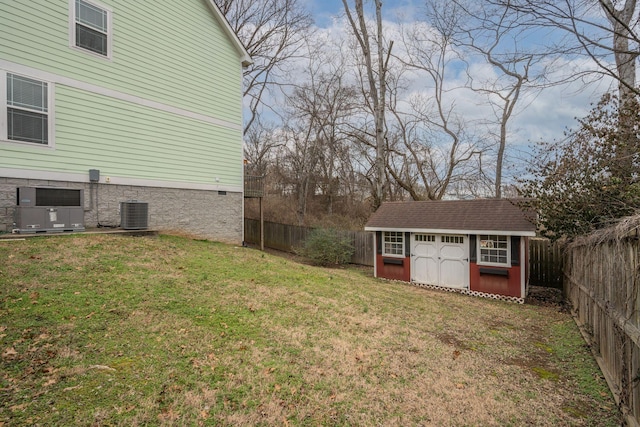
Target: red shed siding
column 393, row 271
column 496, row 284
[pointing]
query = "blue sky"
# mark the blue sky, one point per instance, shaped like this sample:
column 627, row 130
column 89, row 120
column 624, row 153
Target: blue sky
column 323, row 10
column 545, row 116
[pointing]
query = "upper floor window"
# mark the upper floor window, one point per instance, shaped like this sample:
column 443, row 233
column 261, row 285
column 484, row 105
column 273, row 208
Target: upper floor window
column 27, row 110
column 92, row 27
column 494, row 250
column 393, row 243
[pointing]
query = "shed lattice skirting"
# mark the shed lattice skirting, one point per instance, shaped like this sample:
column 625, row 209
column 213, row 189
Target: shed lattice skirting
column 464, row 292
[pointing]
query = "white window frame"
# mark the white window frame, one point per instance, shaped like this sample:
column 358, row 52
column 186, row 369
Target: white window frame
column 395, row 243
column 493, row 238
column 72, row 29
column 4, row 123
column 445, row 238
column 421, row 237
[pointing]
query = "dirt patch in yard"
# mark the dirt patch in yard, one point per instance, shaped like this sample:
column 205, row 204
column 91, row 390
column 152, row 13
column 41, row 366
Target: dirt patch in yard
column 547, row 297
column 450, row 339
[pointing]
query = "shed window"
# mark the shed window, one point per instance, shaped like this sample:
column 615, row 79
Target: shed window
column 92, row 27
column 425, row 237
column 27, row 110
column 493, row 250
column 393, row 243
column 452, row 239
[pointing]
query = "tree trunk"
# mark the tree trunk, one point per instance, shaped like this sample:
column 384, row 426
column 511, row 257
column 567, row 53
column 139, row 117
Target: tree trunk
column 377, row 87
column 380, row 123
column 627, row 143
column 620, row 20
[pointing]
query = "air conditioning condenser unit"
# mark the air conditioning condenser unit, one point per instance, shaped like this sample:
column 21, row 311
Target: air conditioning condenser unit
column 134, row 215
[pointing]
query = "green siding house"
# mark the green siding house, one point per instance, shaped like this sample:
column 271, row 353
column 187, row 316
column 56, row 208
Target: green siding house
column 147, row 93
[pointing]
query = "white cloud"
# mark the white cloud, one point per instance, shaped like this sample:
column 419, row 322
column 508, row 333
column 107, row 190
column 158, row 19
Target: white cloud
column 540, row 115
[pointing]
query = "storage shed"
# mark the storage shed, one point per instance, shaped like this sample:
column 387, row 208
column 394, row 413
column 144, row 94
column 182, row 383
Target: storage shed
column 477, row 246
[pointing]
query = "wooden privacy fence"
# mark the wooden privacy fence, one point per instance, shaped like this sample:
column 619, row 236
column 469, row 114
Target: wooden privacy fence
column 545, row 263
column 602, row 283
column 545, row 257
column 284, row 237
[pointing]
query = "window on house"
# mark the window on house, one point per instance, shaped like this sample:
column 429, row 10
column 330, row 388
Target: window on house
column 425, row 237
column 494, row 250
column 27, row 109
column 92, row 27
column 393, row 243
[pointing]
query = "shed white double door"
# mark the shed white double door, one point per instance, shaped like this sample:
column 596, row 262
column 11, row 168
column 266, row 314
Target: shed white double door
column 440, row 260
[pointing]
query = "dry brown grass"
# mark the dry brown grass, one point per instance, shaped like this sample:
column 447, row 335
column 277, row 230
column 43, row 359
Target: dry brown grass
column 170, row 331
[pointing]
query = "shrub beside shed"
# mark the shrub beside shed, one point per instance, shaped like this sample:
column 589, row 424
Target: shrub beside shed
column 470, row 246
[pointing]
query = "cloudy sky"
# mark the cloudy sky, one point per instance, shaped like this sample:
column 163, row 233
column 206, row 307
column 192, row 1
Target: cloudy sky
column 541, row 116
column 325, row 10
column 546, row 116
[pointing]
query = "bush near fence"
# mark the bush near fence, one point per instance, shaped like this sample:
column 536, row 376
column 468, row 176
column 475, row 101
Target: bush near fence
column 288, row 238
column 602, row 284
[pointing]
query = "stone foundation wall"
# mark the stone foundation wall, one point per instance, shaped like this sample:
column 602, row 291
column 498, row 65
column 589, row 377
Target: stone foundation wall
column 206, row 214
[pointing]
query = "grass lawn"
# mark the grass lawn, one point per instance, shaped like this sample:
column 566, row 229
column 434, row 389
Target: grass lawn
column 112, row 330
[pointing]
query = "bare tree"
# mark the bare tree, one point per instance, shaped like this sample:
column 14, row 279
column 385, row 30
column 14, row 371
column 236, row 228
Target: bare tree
column 598, row 29
column 260, row 142
column 624, row 34
column 317, row 109
column 432, row 142
column 376, row 66
column 429, row 157
column 337, row 100
column 606, row 31
column 303, row 153
column 495, row 36
column 272, row 31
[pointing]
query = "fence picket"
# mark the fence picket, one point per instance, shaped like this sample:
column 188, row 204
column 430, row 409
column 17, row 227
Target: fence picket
column 545, row 263
column 601, row 282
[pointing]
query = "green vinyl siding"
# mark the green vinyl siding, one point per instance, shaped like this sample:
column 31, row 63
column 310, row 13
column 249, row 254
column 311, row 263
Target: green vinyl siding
column 128, row 140
column 171, row 52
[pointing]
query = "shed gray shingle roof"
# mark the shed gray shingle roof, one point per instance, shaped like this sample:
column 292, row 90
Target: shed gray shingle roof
column 498, row 215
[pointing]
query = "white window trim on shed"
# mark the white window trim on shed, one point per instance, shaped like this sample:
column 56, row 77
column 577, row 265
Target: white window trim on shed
column 394, row 243
column 493, row 239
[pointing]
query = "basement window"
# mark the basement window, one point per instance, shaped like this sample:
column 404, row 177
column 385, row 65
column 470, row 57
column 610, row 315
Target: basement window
column 91, row 27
